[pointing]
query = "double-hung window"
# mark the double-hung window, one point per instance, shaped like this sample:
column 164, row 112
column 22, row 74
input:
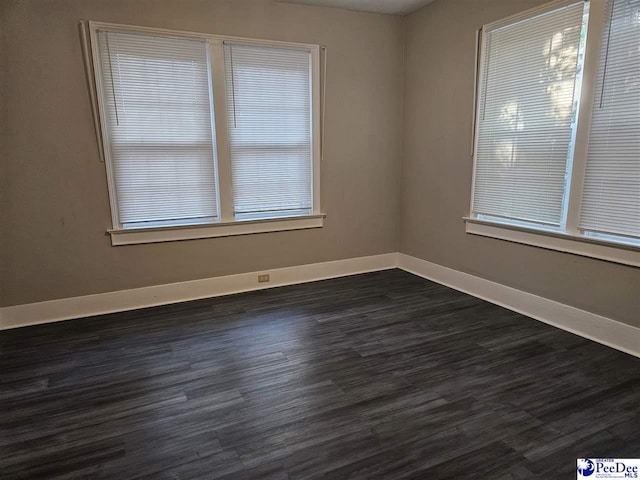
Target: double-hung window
column 206, row 136
column 557, row 129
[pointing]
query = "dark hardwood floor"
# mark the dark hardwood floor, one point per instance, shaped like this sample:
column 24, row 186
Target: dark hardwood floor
column 382, row 375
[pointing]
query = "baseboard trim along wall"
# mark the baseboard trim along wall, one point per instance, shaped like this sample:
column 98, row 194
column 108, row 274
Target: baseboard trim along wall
column 101, row 303
column 580, row 322
column 589, row 325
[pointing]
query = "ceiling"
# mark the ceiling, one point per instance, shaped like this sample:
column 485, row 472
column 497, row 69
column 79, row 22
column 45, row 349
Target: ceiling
column 397, row 7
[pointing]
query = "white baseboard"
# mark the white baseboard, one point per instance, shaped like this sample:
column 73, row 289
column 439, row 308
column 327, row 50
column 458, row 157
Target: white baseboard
column 586, row 324
column 589, row 325
column 101, row 303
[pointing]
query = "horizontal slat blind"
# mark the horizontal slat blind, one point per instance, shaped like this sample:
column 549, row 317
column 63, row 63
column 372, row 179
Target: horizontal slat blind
column 156, row 95
column 526, row 107
column 611, row 194
column 269, row 116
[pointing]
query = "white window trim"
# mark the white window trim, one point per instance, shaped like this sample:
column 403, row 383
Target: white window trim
column 132, row 236
column 227, row 225
column 559, row 241
column 571, row 239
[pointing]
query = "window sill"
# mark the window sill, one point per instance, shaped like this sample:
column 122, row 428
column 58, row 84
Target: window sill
column 587, row 247
column 132, row 236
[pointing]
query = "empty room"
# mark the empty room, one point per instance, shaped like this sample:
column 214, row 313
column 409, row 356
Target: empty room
column 319, row 239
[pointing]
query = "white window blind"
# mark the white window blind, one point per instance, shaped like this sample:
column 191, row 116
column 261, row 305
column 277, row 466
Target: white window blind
column 611, row 194
column 269, row 117
column 526, row 114
column 157, row 108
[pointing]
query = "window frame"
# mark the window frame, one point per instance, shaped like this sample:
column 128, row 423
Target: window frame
column 227, row 224
column 570, row 239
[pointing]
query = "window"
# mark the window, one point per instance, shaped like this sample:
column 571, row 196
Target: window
column 611, row 192
column 557, row 143
column 206, row 136
column 268, row 93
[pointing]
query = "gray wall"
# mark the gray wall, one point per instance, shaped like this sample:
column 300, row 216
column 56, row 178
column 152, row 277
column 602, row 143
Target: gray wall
column 58, row 212
column 437, row 172
column 53, row 193
column 4, row 197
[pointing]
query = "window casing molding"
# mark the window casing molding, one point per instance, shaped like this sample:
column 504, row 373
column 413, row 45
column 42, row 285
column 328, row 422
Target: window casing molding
column 132, row 236
column 569, row 237
column 556, row 240
column 227, row 223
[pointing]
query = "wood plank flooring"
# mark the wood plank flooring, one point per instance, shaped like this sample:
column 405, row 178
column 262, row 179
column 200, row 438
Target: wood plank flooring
column 383, row 375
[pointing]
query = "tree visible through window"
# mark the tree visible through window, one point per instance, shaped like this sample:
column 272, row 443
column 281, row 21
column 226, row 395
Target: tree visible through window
column 529, row 122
